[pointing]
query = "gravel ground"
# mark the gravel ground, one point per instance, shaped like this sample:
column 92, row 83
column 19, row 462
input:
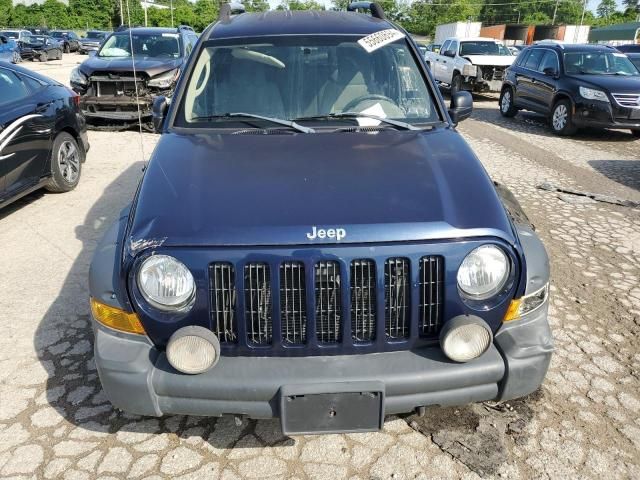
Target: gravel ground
column 583, row 423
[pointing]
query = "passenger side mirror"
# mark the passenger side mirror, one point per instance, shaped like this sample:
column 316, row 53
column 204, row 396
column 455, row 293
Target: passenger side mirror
column 550, row 72
column 449, row 53
column 461, row 106
column 159, row 112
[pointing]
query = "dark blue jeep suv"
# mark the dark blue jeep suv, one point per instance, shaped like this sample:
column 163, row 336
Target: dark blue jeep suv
column 313, row 240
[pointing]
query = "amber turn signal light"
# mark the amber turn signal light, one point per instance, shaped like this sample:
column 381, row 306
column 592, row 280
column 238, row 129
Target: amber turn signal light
column 115, row 318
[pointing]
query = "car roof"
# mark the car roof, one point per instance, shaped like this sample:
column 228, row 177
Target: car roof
column 280, row 22
column 29, row 73
column 149, row 30
column 575, row 47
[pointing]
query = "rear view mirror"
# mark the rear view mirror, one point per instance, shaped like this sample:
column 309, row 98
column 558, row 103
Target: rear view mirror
column 461, row 106
column 159, row 112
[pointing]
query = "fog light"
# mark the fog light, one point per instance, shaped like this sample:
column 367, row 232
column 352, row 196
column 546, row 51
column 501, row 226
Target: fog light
column 193, row 350
column 465, row 337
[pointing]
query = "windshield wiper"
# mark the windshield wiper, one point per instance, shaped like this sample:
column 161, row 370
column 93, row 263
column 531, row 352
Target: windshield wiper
column 395, row 123
column 278, row 121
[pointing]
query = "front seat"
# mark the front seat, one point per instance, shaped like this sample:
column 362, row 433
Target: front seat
column 349, row 81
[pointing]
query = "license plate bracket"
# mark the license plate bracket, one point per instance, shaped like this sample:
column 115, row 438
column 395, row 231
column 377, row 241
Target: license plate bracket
column 332, row 408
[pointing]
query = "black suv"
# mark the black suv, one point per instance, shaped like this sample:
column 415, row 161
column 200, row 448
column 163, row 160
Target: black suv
column 69, row 40
column 106, row 81
column 576, row 86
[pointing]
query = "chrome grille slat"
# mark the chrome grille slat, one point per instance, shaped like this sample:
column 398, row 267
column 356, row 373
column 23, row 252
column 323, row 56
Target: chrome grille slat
column 222, row 291
column 628, row 100
column 431, row 284
column 397, row 297
column 257, row 290
column 328, row 314
column 293, row 306
column 363, row 300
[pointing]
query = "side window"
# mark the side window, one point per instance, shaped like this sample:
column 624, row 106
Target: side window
column 550, row 60
column 11, row 88
column 453, row 47
column 445, row 46
column 534, row 59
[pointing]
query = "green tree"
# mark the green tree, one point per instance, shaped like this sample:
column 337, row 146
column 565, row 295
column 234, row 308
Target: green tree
column 606, row 8
column 300, row 5
column 256, row 6
column 5, row 12
column 206, row 12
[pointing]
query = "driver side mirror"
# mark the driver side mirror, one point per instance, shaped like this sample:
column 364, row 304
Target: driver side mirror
column 449, row 53
column 550, row 72
column 461, row 106
column 159, row 112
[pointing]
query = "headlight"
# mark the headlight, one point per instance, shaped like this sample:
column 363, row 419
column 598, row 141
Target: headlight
column 193, row 350
column 591, row 94
column 166, row 283
column 164, row 80
column 527, row 304
column 78, row 77
column 465, row 337
column 483, row 273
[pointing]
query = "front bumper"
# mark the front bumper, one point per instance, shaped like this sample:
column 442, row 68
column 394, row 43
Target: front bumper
column 605, row 115
column 116, row 107
column 137, row 377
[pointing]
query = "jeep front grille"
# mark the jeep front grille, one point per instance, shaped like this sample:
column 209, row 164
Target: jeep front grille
column 328, row 302
column 293, row 303
column 378, row 296
column 396, row 297
column 430, row 294
column 363, row 300
column 257, row 303
column 222, row 291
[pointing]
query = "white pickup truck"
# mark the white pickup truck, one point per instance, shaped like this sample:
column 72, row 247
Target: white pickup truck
column 475, row 64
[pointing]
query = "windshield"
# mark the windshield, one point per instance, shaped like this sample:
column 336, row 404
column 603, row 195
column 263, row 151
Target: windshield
column 161, row 45
column 483, row 48
column 297, row 77
column 95, row 35
column 636, row 61
column 58, row 34
column 13, row 35
column 35, row 39
column 598, row 63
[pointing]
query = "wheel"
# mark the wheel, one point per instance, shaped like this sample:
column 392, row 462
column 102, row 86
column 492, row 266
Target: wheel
column 456, row 83
column 66, row 164
column 16, row 57
column 635, row 133
column 507, row 108
column 44, row 57
column 561, row 119
column 67, row 48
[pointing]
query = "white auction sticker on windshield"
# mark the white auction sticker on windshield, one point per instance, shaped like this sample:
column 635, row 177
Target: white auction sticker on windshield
column 379, row 39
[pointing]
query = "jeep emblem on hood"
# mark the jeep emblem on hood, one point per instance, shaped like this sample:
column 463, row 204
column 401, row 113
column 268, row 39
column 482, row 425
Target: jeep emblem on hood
column 337, row 233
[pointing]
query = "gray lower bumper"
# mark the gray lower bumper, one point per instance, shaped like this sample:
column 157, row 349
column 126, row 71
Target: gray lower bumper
column 137, row 378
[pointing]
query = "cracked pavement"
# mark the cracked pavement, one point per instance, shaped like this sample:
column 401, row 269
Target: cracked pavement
column 584, row 422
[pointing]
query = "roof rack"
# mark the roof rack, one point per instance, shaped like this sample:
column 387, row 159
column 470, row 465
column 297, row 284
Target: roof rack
column 185, row 27
column 550, row 41
column 227, row 10
column 373, row 7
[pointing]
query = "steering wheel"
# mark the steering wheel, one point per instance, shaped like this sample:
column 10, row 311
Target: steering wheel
column 349, row 107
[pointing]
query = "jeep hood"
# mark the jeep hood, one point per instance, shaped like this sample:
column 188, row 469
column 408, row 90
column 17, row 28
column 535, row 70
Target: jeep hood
column 218, row 190
column 150, row 66
column 493, row 60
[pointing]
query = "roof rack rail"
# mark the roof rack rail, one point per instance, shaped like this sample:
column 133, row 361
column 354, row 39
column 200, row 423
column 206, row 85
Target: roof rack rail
column 375, row 8
column 185, row 27
column 227, row 10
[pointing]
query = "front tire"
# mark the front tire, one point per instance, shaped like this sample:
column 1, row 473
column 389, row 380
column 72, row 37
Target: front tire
column 67, row 49
column 507, row 108
column 66, row 164
column 16, row 57
column 562, row 119
column 635, row 133
column 456, row 84
column 44, row 57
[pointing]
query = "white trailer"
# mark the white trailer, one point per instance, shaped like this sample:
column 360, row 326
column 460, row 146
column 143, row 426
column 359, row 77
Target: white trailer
column 457, row 30
column 576, row 34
